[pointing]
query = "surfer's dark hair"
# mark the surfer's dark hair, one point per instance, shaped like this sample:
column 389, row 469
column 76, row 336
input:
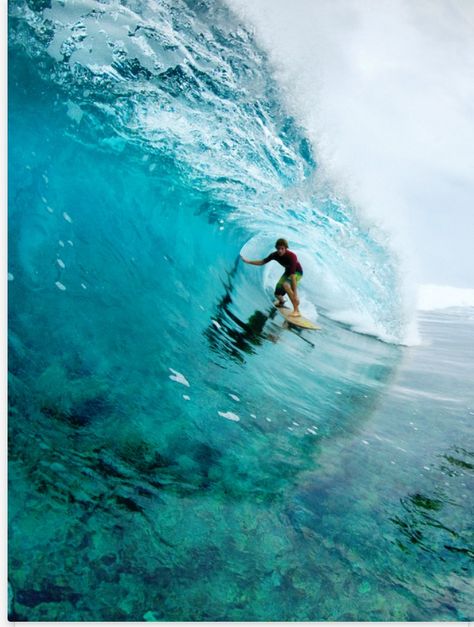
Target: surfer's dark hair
column 281, row 242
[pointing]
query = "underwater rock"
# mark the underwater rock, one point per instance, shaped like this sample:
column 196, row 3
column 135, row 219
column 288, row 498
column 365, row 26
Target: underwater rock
column 50, row 593
column 128, row 503
column 109, row 559
column 76, row 401
column 141, row 455
column 86, row 411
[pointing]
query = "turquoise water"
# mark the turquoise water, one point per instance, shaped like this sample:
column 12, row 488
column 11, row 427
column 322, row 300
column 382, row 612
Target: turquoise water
column 174, row 452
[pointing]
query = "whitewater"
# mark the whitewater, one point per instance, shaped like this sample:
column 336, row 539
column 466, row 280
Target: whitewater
column 175, row 452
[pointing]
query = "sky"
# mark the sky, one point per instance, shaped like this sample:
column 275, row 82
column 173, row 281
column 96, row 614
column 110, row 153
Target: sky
column 385, row 90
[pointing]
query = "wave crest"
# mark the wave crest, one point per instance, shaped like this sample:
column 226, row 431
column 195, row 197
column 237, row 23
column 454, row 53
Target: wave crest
column 188, row 83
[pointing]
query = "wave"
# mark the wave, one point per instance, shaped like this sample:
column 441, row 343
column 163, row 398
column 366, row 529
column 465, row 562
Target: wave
column 188, row 83
column 163, row 420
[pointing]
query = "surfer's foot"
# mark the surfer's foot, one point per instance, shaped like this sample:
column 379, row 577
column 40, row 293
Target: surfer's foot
column 295, row 314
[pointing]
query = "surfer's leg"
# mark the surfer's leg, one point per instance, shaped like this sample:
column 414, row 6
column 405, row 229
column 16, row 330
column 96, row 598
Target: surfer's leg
column 292, row 296
column 294, row 301
column 280, row 292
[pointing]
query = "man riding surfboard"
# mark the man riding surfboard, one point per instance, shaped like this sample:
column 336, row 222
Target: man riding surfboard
column 289, row 280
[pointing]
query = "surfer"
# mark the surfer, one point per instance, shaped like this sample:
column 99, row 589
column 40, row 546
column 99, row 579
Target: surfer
column 289, row 280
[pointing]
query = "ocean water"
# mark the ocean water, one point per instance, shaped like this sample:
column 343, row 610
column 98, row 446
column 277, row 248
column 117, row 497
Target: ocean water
column 175, row 453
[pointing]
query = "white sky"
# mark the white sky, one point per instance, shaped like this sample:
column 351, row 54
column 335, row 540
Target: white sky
column 385, row 89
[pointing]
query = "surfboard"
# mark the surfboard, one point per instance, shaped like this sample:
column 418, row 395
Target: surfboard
column 299, row 321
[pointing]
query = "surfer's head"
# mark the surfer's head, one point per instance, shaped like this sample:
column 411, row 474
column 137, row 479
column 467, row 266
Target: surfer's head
column 281, row 245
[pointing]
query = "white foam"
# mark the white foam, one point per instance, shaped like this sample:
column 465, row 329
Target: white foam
column 362, row 323
column 67, row 217
column 216, row 324
column 10, row 276
column 178, row 377
column 84, row 286
column 60, row 286
column 229, row 415
column 61, row 263
column 61, row 243
column 186, row 397
column 234, row 397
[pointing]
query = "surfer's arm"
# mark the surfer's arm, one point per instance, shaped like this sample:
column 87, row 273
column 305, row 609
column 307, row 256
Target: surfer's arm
column 257, row 262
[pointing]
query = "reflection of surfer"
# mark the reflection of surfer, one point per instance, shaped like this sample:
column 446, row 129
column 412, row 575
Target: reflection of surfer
column 289, row 280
